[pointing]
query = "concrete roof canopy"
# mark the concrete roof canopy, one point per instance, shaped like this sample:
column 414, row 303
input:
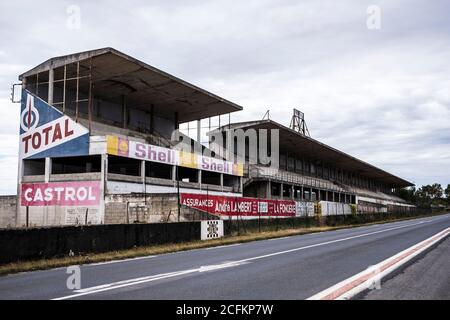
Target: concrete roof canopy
column 115, row 74
column 304, row 146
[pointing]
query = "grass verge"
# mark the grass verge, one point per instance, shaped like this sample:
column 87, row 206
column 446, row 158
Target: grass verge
column 43, row 264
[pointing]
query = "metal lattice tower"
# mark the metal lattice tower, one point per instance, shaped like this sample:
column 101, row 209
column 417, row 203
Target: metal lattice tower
column 298, row 123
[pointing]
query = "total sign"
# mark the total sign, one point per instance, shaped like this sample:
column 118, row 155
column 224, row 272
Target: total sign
column 45, row 131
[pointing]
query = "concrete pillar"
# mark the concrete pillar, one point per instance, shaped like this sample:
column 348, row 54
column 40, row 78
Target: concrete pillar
column 174, row 173
column 292, row 192
column 269, row 190
column 281, row 190
column 310, row 194
column 103, row 185
column 221, row 179
column 124, row 113
column 51, row 78
column 200, row 178
column 143, row 176
column 302, row 195
column 48, row 169
column 199, row 130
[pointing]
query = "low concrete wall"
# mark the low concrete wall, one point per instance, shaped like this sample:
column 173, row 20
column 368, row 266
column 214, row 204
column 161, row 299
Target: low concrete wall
column 8, row 208
column 23, row 244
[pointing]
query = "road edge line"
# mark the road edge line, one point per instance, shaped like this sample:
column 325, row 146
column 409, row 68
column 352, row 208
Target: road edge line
column 360, row 282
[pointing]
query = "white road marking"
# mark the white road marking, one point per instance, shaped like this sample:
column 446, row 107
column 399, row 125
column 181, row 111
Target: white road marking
column 224, row 246
column 363, row 280
column 132, row 282
column 116, row 261
column 136, row 281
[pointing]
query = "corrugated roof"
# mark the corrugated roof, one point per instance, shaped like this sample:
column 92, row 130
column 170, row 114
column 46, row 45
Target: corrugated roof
column 116, row 74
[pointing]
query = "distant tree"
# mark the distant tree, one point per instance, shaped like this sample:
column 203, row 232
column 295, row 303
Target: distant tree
column 447, row 193
column 408, row 194
column 429, row 194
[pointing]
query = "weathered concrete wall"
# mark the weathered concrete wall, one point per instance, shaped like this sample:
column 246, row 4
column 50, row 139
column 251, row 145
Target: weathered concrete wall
column 8, row 207
column 58, row 216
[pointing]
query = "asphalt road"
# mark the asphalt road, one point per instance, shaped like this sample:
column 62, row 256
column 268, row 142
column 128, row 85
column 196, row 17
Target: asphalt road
column 426, row 279
column 287, row 268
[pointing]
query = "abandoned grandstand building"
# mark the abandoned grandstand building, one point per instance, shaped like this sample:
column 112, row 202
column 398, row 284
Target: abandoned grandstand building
column 97, row 147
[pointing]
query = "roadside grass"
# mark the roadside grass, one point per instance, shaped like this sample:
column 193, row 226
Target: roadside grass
column 251, row 235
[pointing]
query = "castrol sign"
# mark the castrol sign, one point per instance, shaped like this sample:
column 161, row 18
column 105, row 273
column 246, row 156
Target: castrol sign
column 45, row 131
column 85, row 193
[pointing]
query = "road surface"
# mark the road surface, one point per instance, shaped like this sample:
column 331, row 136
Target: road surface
column 296, row 267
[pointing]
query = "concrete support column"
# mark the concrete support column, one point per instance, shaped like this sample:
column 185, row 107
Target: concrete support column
column 199, row 131
column 221, row 179
column 281, row 191
column 310, row 194
column 48, row 169
column 199, row 178
column 51, row 78
column 124, row 113
column 269, row 190
column 292, row 192
column 302, row 195
column 143, row 176
column 174, row 173
column 103, row 185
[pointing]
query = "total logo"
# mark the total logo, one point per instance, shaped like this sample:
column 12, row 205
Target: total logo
column 43, row 128
column 29, row 118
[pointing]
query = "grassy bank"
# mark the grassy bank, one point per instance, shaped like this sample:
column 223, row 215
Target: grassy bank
column 250, row 235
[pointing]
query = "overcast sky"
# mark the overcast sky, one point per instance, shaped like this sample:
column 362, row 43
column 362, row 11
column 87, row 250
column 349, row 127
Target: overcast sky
column 380, row 94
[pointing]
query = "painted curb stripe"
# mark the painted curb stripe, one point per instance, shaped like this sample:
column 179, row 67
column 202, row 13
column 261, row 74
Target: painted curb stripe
column 356, row 284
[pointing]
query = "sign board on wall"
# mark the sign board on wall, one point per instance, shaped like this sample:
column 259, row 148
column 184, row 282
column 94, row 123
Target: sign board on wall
column 239, row 206
column 211, row 229
column 83, row 193
column 47, row 132
column 132, row 149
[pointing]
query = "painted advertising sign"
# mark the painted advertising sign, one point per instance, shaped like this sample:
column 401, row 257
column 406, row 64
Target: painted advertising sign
column 237, row 206
column 137, row 150
column 82, row 193
column 46, row 132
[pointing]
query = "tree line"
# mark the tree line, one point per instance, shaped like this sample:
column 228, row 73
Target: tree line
column 427, row 196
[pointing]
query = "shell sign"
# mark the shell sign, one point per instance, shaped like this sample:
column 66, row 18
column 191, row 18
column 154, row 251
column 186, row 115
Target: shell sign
column 132, row 149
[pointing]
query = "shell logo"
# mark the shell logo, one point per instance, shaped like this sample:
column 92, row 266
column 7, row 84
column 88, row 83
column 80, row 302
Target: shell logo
column 123, row 146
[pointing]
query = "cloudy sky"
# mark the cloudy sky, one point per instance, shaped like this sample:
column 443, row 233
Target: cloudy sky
column 380, row 93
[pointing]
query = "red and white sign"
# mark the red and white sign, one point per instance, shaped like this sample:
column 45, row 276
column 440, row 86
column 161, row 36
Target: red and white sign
column 85, row 193
column 234, row 206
